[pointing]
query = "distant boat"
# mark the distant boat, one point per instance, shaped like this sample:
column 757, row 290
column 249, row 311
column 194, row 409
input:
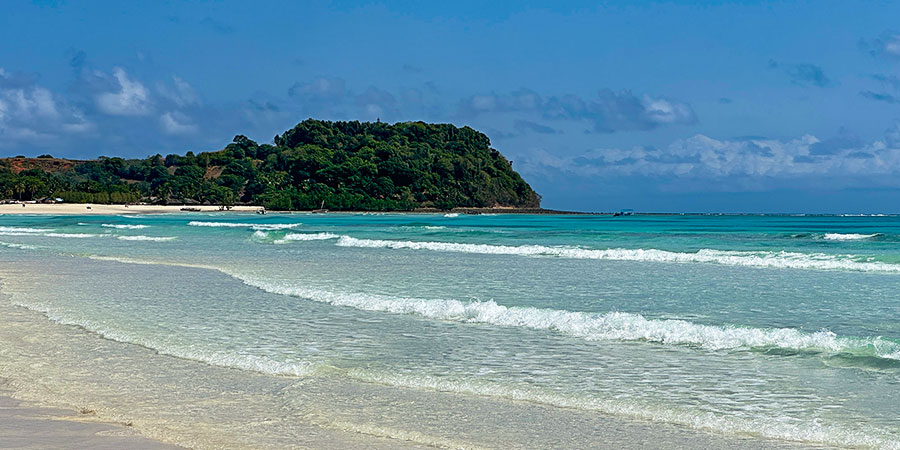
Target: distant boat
column 624, row 212
column 321, row 208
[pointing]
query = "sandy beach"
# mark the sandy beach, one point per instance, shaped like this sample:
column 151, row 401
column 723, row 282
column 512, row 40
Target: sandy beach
column 89, row 208
column 24, row 426
column 100, row 209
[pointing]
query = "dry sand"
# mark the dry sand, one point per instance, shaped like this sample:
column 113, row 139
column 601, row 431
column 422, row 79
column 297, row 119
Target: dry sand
column 88, row 208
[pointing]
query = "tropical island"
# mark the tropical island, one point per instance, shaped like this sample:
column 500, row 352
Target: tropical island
column 317, row 164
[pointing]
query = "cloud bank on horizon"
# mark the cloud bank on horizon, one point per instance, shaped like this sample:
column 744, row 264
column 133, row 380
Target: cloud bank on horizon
column 642, row 105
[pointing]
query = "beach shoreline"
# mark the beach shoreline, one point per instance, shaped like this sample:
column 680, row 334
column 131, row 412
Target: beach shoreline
column 147, row 332
column 115, row 209
column 25, row 425
column 99, row 209
column 41, row 397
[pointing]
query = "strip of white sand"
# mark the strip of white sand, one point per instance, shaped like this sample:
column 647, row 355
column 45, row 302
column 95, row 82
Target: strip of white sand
column 88, row 208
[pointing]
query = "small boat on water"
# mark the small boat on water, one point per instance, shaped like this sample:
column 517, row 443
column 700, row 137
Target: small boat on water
column 321, row 209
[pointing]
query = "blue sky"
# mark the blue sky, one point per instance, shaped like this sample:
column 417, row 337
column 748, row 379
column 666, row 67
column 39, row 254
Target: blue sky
column 656, row 106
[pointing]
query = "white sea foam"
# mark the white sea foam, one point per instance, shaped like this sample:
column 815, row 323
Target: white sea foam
column 848, row 236
column 123, row 227
column 446, row 229
column 310, row 236
column 58, row 235
column 275, row 226
column 19, row 246
column 18, row 233
column 73, row 235
column 289, row 237
column 615, row 326
column 618, row 326
column 767, row 259
column 254, row 226
column 451, row 215
column 23, row 230
column 147, row 238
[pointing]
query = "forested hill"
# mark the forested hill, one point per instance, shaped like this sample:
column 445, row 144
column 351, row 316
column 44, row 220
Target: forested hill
column 338, row 165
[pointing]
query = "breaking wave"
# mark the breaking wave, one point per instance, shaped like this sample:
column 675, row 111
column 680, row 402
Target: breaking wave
column 310, row 236
column 267, row 236
column 617, row 326
column 18, row 246
column 73, row 235
column 765, row 259
column 848, row 236
column 46, row 232
column 254, row 226
column 613, row 326
column 23, row 230
column 123, row 227
column 147, row 238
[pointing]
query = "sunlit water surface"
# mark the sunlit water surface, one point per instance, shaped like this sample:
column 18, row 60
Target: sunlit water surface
column 461, row 331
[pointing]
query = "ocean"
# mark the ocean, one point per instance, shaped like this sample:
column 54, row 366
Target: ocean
column 461, row 331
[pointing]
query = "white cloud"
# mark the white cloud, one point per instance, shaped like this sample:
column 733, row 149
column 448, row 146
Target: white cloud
column 891, row 45
column 608, row 111
column 663, row 111
column 32, row 114
column 30, row 103
column 176, row 123
column 319, row 90
column 704, row 157
column 181, row 93
column 132, row 98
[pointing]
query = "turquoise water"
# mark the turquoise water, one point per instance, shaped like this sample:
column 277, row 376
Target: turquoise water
column 783, row 327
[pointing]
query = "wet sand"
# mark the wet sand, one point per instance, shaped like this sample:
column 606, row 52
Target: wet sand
column 23, row 426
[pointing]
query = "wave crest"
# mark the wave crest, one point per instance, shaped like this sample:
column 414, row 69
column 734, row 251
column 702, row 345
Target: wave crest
column 147, row 238
column 764, row 259
column 123, row 226
column 254, row 226
column 848, row 236
column 616, row 326
column 310, row 236
column 23, row 230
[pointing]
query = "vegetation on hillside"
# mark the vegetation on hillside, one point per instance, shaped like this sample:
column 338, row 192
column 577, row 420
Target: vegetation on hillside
column 335, row 165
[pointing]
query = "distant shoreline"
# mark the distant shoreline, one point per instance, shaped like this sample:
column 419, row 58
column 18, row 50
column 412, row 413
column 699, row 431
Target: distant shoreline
column 116, row 209
column 92, row 208
column 95, row 209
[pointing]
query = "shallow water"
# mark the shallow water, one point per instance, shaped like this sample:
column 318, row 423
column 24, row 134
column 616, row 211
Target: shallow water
column 767, row 326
